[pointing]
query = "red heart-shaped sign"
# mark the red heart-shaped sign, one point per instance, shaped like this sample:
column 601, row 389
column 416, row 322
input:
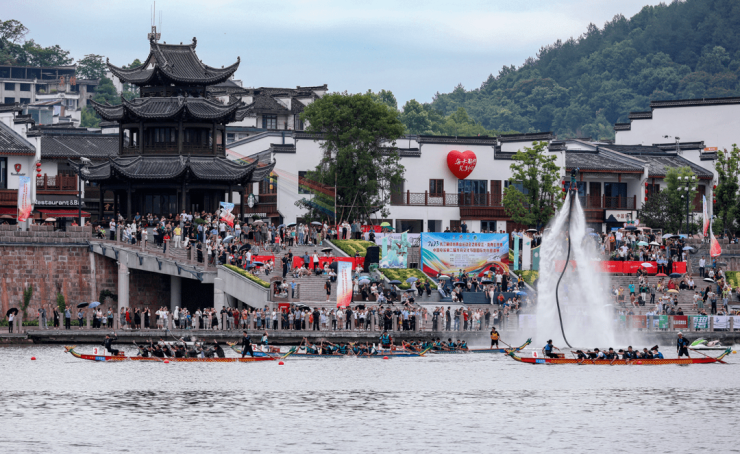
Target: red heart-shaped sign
column 461, row 163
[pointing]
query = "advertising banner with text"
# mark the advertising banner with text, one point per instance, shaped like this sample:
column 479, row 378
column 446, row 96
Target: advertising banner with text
column 448, row 253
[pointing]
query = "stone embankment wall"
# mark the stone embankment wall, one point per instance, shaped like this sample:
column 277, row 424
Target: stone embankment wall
column 51, row 262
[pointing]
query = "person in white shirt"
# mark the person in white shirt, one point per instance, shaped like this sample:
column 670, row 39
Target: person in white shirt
column 702, row 265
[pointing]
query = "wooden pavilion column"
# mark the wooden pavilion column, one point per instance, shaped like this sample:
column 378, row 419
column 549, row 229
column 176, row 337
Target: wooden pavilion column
column 141, row 137
column 223, row 140
column 179, row 137
column 230, row 195
column 183, row 197
column 115, row 205
column 213, row 138
column 120, row 139
column 129, row 214
column 101, row 207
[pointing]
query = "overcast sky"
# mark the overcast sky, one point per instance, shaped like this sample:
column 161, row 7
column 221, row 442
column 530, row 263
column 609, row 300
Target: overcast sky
column 413, row 48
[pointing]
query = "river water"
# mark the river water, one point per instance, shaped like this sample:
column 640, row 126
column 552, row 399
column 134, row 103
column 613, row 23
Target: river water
column 435, row 404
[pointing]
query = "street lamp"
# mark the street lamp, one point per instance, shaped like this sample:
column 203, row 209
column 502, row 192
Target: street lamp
column 685, row 187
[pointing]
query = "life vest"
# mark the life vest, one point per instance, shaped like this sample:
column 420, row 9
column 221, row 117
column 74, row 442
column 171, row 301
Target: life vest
column 494, row 336
column 385, row 339
column 548, row 348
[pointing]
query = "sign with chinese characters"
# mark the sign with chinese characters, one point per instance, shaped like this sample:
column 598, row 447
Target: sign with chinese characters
column 620, row 216
column 25, row 207
column 450, row 253
column 461, row 163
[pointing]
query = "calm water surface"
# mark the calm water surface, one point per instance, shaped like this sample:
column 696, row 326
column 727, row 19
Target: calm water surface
column 445, row 404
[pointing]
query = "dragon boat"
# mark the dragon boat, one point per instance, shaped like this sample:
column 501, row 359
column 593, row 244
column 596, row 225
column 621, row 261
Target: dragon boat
column 293, row 353
column 622, row 362
column 121, row 357
column 483, row 350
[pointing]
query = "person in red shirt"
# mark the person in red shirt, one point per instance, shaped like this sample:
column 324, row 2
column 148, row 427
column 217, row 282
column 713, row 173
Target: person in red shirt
column 164, row 241
column 465, row 320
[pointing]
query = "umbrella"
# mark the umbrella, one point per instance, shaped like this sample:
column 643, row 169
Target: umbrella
column 486, row 281
column 83, row 304
column 228, row 239
column 395, row 282
column 245, row 247
column 722, row 263
column 364, row 281
column 12, row 310
column 249, row 266
column 257, row 263
column 460, row 283
column 593, row 234
column 521, row 293
column 647, row 265
column 661, row 275
column 672, row 291
column 642, row 243
column 292, row 224
column 630, row 227
column 281, row 226
column 258, row 221
column 326, row 249
column 50, row 220
column 676, row 275
column 534, row 230
column 412, row 279
column 654, row 243
column 316, row 223
column 707, row 279
column 688, row 248
column 667, row 235
column 94, row 304
column 443, row 277
column 385, row 224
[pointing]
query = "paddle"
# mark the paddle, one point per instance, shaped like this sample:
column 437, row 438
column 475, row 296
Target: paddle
column 697, row 351
column 425, row 351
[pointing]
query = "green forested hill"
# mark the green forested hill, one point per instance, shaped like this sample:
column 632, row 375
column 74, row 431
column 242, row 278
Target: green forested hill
column 581, row 87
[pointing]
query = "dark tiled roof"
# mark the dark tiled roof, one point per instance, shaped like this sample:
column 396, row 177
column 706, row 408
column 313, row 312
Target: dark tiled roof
column 282, row 148
column 409, row 152
column 92, row 146
column 529, row 137
column 622, row 126
column 15, row 107
column 164, row 108
column 265, row 103
column 600, row 161
column 641, row 115
column 658, row 166
column 681, row 145
column 694, row 102
column 204, row 168
column 12, row 143
column 556, row 146
column 178, row 63
column 473, row 140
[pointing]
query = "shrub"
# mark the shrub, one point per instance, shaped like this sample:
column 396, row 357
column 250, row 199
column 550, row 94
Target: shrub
column 528, row 276
column 249, row 276
column 352, row 247
column 401, row 274
column 733, row 278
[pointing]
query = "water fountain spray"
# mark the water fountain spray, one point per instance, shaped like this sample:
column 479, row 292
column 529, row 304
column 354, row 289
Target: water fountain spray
column 573, row 189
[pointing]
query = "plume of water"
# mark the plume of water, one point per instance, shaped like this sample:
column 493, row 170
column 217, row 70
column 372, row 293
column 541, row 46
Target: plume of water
column 588, row 320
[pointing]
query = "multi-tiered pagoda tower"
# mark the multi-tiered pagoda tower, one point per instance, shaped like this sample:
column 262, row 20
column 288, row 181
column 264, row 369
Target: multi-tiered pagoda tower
column 172, row 139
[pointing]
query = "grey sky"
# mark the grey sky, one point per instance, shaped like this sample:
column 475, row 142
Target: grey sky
column 414, row 48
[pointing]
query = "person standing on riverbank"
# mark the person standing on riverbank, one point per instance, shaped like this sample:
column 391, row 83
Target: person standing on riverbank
column 67, row 318
column 682, row 346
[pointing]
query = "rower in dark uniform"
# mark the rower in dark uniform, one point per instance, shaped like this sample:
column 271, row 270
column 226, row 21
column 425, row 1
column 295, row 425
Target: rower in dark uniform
column 247, row 345
column 218, row 350
column 682, row 346
column 108, row 344
column 547, row 350
column 656, row 353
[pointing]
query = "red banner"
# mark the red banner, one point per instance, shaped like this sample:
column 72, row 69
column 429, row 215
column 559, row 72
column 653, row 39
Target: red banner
column 679, row 267
column 631, row 267
column 680, row 321
column 637, row 321
column 298, row 261
column 263, row 258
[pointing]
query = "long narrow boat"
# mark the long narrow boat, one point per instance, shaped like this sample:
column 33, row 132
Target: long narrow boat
column 621, row 362
column 381, row 354
column 119, row 358
column 483, row 350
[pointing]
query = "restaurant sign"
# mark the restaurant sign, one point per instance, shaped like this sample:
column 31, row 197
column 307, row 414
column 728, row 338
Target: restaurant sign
column 620, row 216
column 57, row 200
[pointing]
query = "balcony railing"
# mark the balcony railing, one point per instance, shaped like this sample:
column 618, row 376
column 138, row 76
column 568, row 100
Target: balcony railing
column 9, row 195
column 57, row 182
column 462, row 199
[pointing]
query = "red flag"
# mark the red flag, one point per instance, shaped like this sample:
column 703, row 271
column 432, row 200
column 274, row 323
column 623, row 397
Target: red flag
column 715, row 250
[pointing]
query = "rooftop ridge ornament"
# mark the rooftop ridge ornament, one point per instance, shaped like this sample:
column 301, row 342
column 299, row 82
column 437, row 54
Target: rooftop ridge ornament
column 153, row 35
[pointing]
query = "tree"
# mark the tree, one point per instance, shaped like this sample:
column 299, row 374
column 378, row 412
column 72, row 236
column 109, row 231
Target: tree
column 105, row 92
column 359, row 136
column 533, row 191
column 35, row 55
column 91, row 67
column 385, row 97
column 728, row 169
column 667, row 209
column 415, row 118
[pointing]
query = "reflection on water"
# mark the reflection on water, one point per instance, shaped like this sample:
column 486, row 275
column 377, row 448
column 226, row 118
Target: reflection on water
column 450, row 403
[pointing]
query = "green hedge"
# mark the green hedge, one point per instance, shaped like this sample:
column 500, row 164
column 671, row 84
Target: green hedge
column 401, row 274
column 529, row 276
column 249, row 276
column 733, row 278
column 352, row 247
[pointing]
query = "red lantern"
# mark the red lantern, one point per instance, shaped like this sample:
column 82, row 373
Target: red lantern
column 38, row 175
column 714, row 187
column 646, row 199
column 646, row 184
column 461, row 163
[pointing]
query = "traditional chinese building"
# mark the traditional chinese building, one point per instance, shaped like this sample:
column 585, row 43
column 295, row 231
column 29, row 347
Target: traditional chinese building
column 171, row 139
